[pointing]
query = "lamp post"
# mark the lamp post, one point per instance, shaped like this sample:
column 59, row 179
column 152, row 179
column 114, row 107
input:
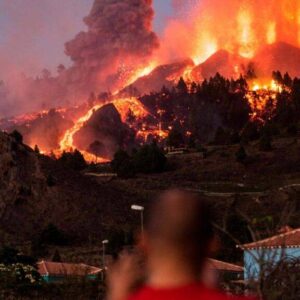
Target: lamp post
column 141, row 210
column 104, row 242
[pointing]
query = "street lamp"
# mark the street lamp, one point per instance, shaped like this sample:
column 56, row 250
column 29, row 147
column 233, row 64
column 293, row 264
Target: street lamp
column 104, row 242
column 141, row 210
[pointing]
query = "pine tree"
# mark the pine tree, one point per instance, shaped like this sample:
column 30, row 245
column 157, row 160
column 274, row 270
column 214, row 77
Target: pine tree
column 56, row 257
column 241, row 155
column 36, row 149
column 17, row 136
column 182, row 87
column 265, row 143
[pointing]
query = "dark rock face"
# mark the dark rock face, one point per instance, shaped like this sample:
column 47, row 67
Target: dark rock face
column 22, row 182
column 104, row 133
column 29, row 203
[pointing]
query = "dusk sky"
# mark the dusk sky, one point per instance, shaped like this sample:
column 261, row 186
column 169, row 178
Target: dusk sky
column 33, row 32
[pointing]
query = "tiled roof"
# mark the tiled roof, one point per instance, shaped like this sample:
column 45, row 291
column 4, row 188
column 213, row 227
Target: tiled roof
column 224, row 266
column 289, row 239
column 65, row 269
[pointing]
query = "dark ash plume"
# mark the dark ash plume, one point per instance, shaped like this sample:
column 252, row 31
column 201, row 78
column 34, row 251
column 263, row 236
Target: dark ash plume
column 119, row 38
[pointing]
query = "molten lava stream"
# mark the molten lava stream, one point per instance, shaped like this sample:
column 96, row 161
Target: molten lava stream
column 123, row 105
column 66, row 144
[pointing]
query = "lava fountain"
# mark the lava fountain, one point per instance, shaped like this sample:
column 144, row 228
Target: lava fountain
column 238, row 26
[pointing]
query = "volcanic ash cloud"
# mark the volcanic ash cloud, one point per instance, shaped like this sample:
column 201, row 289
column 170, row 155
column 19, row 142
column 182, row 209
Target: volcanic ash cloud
column 118, row 40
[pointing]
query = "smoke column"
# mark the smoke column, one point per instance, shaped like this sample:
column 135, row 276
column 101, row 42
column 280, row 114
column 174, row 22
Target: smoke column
column 119, row 39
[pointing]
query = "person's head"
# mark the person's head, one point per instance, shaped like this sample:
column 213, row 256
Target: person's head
column 179, row 227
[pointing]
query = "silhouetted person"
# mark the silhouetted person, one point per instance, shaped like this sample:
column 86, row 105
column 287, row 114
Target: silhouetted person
column 177, row 240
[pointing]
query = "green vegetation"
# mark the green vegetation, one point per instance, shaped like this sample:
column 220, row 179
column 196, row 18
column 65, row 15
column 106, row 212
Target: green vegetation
column 73, row 160
column 51, row 235
column 241, row 155
column 265, row 142
column 17, row 136
column 147, row 159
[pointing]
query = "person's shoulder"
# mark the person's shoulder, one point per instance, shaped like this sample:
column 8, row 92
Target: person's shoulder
column 217, row 295
column 194, row 292
column 141, row 293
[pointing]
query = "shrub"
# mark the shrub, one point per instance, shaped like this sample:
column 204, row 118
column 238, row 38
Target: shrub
column 73, row 160
column 147, row 159
column 265, row 143
column 150, row 159
column 122, row 164
column 51, row 235
column 241, row 155
column 17, row 136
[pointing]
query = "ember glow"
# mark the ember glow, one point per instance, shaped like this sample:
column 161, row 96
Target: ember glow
column 124, row 105
column 261, row 95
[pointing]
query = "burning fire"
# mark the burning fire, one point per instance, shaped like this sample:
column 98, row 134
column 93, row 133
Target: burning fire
column 269, row 86
column 125, row 105
column 260, row 95
column 145, row 133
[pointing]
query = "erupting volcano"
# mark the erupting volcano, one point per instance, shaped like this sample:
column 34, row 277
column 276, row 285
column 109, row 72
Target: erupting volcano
column 119, row 52
column 240, row 27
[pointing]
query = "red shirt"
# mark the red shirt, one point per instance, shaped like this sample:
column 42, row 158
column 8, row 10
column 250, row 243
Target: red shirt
column 189, row 292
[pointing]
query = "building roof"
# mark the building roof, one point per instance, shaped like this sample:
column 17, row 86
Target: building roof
column 288, row 239
column 46, row 268
column 224, row 266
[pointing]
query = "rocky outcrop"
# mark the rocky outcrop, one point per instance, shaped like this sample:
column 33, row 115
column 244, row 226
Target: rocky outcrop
column 22, row 181
column 104, row 133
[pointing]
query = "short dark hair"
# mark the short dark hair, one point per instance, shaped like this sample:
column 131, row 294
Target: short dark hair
column 181, row 220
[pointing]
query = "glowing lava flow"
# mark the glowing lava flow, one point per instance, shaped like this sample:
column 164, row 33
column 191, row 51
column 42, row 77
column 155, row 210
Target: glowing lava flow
column 66, row 144
column 123, row 105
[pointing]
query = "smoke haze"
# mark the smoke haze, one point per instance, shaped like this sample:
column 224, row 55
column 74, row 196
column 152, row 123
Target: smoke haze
column 118, row 39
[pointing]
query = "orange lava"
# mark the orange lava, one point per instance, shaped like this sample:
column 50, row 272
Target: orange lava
column 157, row 133
column 262, row 97
column 123, row 105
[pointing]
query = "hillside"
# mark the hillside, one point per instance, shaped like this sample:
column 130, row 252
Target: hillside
column 262, row 194
column 37, row 190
